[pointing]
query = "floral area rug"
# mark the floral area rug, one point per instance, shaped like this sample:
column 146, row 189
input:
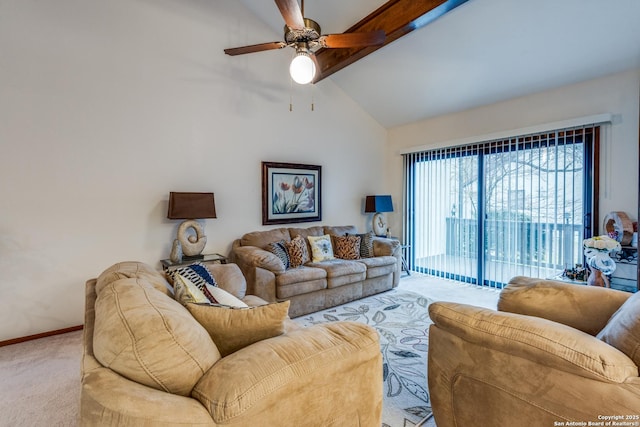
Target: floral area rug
column 402, row 321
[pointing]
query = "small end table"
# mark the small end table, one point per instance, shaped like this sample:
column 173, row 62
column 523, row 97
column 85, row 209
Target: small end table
column 403, row 250
column 188, row 260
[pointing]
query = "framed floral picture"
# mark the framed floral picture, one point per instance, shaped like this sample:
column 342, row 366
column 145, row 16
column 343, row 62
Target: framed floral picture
column 291, row 193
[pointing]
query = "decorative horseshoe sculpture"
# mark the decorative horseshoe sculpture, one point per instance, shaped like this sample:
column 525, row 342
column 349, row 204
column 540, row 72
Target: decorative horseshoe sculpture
column 191, row 245
column 379, row 224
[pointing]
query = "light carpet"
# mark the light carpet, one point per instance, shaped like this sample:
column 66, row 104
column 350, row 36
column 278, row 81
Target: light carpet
column 402, row 320
column 40, row 379
column 40, row 382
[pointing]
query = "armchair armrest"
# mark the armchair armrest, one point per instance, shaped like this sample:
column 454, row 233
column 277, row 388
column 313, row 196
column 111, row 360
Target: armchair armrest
column 586, row 308
column 108, row 399
column 539, row 340
column 286, row 374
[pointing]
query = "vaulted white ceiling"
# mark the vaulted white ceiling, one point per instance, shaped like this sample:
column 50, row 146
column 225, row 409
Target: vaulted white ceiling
column 482, row 52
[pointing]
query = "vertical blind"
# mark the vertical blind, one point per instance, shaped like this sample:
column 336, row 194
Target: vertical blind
column 485, row 212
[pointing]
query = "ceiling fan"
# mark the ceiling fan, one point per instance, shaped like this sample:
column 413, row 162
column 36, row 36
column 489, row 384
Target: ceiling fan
column 304, row 35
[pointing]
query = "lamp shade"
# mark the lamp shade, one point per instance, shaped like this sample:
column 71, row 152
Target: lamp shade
column 191, row 205
column 380, row 203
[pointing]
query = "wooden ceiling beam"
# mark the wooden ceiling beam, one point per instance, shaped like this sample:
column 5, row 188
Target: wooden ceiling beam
column 396, row 17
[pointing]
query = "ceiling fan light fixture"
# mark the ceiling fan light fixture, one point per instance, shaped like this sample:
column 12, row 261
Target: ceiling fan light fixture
column 302, row 68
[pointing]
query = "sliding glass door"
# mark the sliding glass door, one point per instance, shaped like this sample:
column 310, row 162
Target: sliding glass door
column 444, row 207
column 487, row 212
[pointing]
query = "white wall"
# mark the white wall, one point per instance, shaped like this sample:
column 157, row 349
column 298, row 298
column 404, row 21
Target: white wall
column 616, row 94
column 106, row 106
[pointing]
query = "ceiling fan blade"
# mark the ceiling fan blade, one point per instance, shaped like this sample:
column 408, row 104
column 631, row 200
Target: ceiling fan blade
column 291, row 13
column 254, row 48
column 373, row 38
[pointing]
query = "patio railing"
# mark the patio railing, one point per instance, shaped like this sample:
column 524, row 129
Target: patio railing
column 548, row 245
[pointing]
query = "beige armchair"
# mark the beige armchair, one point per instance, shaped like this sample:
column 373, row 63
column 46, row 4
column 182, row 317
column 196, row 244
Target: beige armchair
column 148, row 362
column 552, row 353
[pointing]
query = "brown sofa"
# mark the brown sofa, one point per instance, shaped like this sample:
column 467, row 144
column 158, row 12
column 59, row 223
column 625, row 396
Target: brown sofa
column 554, row 353
column 161, row 368
column 316, row 285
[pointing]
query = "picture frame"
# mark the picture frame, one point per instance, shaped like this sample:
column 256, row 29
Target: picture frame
column 291, row 193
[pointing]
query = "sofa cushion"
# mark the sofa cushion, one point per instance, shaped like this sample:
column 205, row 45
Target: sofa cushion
column 300, row 281
column 236, row 387
column 298, row 252
column 302, row 274
column 346, row 247
column 262, row 238
column 321, row 248
column 342, row 230
column 339, row 267
column 306, row 232
column 380, row 265
column 341, row 272
column 234, row 328
column 133, row 269
column 150, row 338
column 623, row 329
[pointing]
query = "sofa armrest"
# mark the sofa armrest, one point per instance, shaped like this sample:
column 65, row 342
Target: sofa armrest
column 543, row 341
column 286, row 374
column 386, row 247
column 259, row 268
column 389, row 247
column 256, row 257
column 586, row 308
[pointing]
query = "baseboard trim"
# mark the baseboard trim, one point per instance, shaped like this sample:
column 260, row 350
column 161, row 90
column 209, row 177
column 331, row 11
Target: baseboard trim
column 42, row 335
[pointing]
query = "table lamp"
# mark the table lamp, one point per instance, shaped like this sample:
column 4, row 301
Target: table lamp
column 190, row 207
column 379, row 204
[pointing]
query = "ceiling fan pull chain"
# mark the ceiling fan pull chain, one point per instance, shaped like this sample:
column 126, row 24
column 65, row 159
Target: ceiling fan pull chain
column 312, row 93
column 290, row 94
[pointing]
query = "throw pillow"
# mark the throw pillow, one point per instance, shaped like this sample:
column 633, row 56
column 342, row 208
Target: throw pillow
column 198, row 274
column 347, row 247
column 280, row 250
column 185, row 292
column 232, row 329
column 321, row 248
column 149, row 338
column 220, row 296
column 298, row 254
column 366, row 244
column 623, row 329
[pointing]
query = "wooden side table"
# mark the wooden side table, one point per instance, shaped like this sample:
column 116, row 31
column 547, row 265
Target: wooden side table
column 167, row 264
